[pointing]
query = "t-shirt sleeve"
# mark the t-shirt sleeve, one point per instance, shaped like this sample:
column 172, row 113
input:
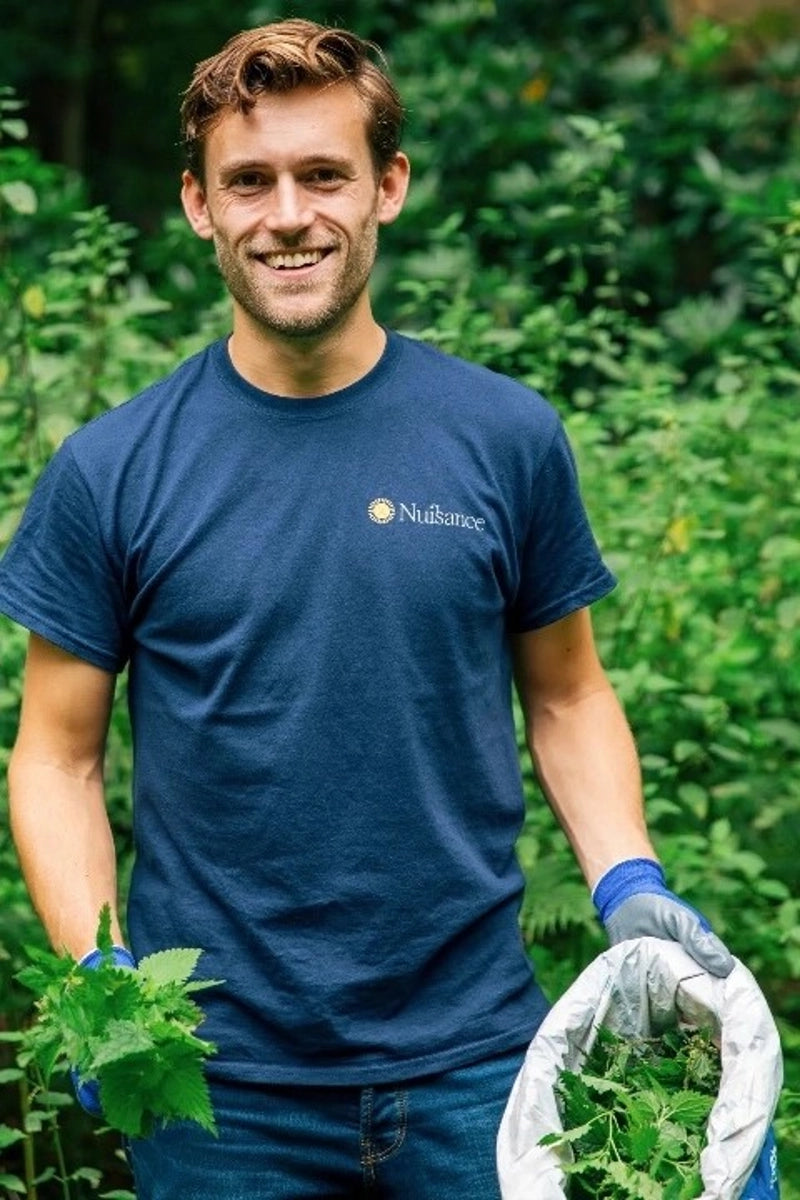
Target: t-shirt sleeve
column 561, row 567
column 57, row 577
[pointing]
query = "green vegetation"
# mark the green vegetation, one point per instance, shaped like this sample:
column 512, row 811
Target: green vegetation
column 609, row 212
column 634, row 1117
column 131, row 1031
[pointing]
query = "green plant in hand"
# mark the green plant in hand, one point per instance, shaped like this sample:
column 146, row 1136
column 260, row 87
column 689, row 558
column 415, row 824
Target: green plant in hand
column 131, row 1030
column 634, row 1117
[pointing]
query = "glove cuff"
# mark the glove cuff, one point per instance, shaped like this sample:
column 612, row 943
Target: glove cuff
column 628, row 878
column 119, row 956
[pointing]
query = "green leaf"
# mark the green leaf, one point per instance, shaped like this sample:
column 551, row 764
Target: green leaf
column 90, row 1174
column 638, row 1186
column 20, row 196
column 104, row 940
column 601, row 1085
column 9, row 1136
column 568, row 1135
column 56, row 1099
column 13, row 1183
column 169, row 966
column 15, row 128
column 120, row 1039
column 184, row 1088
column 690, row 1108
column 122, row 1088
column 642, row 1141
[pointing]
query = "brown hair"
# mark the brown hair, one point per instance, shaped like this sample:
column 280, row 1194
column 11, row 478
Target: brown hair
column 277, row 58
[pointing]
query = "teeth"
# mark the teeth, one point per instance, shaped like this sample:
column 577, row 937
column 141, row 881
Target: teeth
column 282, row 261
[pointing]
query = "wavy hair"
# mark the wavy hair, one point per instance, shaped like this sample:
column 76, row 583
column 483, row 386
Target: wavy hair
column 278, row 58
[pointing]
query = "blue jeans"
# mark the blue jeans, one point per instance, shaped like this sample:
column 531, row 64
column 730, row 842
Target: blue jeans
column 427, row 1139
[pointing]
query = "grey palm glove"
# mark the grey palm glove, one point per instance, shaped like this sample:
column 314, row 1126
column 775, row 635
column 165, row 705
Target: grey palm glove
column 633, row 900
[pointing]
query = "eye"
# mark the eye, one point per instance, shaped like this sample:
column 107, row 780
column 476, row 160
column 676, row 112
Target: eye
column 325, row 177
column 247, row 181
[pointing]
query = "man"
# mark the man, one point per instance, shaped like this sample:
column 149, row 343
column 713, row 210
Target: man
column 321, row 550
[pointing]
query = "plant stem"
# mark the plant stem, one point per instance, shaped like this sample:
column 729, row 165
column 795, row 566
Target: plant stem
column 56, row 1135
column 28, row 1156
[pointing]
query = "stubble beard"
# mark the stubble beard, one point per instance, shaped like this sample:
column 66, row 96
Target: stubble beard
column 247, row 281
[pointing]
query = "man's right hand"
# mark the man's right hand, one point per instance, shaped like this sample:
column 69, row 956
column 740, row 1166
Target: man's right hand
column 87, row 1091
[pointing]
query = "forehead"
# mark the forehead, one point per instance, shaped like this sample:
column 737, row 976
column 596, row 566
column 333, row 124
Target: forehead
column 307, row 122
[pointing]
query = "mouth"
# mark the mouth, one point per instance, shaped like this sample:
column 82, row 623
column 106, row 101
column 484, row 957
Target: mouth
column 293, row 261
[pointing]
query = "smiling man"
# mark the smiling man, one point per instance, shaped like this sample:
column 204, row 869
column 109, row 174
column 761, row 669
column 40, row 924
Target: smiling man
column 323, row 551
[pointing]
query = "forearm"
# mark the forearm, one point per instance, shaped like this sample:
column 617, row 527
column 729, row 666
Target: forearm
column 585, row 758
column 66, row 850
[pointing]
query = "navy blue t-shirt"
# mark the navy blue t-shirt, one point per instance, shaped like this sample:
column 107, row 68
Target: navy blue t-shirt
column 314, row 599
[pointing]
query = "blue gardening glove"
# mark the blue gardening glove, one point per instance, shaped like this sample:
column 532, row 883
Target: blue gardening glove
column 633, row 900
column 763, row 1183
column 87, row 1091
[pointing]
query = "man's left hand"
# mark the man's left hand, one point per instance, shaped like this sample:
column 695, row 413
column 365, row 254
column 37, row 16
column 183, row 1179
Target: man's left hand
column 633, row 900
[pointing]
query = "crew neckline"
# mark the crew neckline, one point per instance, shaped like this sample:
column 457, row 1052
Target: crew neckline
column 306, row 407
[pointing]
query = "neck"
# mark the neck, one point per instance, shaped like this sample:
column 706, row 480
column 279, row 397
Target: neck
column 309, row 366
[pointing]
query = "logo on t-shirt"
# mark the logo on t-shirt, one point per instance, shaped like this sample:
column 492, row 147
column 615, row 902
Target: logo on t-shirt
column 381, row 510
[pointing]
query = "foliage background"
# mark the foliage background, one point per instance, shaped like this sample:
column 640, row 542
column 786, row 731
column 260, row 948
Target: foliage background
column 605, row 204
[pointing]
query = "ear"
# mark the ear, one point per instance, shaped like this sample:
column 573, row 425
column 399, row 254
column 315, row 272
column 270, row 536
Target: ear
column 193, row 199
column 392, row 188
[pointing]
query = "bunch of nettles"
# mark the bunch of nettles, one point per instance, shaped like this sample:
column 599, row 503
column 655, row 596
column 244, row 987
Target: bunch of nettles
column 634, row 1117
column 131, row 1030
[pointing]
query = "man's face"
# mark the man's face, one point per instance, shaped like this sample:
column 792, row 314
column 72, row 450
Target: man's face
column 293, row 205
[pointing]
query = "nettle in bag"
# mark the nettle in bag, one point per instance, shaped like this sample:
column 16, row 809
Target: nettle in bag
column 640, row 989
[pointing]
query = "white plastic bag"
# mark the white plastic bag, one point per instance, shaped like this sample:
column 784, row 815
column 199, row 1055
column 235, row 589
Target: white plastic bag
column 641, row 988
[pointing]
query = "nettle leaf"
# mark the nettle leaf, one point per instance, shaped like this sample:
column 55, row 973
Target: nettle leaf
column 688, row 1188
column 602, row 1086
column 169, row 966
column 123, row 1087
column 119, row 1041
column 568, row 1135
column 649, row 1100
column 672, row 1143
column 642, row 1141
column 636, row 1184
column 578, row 1104
column 44, row 970
column 184, row 1090
column 103, row 940
column 199, row 985
column 162, row 1084
column 691, row 1108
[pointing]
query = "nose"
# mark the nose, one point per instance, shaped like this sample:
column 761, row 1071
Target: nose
column 289, row 212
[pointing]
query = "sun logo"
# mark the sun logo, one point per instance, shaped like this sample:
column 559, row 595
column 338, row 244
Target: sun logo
column 381, row 510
